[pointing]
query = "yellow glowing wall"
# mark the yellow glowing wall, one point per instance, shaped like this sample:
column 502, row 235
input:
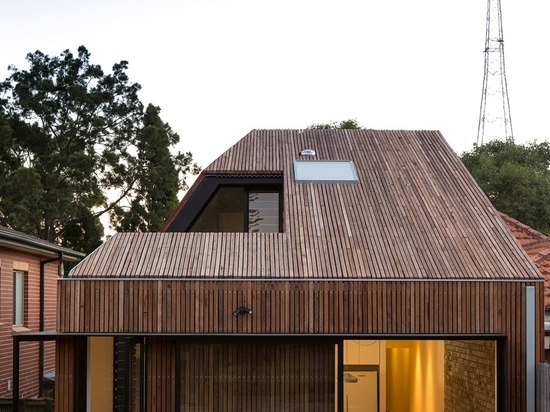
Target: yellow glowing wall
column 100, row 374
column 415, row 376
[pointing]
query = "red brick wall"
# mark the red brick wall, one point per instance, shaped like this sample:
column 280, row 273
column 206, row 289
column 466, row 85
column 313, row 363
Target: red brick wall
column 29, row 353
column 470, row 375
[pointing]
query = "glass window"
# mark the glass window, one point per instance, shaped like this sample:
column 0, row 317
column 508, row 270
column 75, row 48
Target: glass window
column 263, row 211
column 324, row 171
column 224, row 212
column 241, row 209
column 18, row 297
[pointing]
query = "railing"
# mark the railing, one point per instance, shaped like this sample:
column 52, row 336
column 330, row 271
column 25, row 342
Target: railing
column 27, row 405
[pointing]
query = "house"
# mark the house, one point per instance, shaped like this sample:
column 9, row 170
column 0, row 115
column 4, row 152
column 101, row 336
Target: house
column 309, row 270
column 537, row 247
column 29, row 268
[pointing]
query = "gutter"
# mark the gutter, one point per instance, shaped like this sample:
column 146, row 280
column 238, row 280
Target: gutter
column 39, row 245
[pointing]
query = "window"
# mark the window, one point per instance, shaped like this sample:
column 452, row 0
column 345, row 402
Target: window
column 242, row 209
column 263, row 211
column 324, row 171
column 18, row 297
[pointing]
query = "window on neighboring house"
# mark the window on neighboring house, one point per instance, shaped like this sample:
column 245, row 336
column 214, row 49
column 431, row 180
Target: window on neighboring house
column 242, row 209
column 18, row 298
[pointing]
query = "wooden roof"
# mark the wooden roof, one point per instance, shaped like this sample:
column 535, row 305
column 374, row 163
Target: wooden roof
column 416, row 213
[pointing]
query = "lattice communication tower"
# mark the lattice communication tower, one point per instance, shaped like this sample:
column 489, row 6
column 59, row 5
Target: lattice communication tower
column 495, row 121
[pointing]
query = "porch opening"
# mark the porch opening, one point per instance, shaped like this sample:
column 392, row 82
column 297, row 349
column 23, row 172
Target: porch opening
column 420, row 375
column 349, row 375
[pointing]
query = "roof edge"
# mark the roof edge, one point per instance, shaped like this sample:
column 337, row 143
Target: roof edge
column 40, row 246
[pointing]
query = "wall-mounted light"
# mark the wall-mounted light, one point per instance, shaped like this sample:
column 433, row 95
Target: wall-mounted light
column 242, row 309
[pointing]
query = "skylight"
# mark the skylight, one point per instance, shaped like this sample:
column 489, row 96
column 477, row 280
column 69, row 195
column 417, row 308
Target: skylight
column 324, row 171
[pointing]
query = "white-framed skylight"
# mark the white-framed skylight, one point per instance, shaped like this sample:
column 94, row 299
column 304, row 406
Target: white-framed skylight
column 324, row 171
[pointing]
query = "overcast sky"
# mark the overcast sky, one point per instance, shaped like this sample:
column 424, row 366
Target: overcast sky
column 220, row 68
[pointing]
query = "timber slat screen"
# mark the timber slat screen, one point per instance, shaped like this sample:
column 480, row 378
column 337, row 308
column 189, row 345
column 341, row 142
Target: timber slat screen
column 319, row 307
column 257, row 377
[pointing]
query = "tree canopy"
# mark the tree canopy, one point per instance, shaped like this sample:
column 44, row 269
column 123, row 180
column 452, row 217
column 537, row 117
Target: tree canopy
column 516, row 178
column 77, row 144
column 343, row 124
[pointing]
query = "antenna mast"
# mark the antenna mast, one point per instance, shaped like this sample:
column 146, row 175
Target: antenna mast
column 495, row 121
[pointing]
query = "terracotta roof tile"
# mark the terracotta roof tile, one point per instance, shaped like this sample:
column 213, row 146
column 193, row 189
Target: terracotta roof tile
column 537, row 247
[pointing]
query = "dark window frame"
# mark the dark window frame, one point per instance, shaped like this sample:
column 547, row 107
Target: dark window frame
column 209, row 186
column 19, row 290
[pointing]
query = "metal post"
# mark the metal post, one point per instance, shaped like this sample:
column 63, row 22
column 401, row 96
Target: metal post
column 15, row 374
column 530, row 344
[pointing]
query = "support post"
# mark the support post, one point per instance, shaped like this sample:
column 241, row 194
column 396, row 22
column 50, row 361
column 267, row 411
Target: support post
column 530, row 344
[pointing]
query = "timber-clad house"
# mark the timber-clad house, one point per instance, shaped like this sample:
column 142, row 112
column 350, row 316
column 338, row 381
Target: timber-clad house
column 309, row 270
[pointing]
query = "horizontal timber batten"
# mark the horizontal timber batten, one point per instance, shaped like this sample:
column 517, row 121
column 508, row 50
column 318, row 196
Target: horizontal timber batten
column 292, row 307
column 294, row 337
column 213, row 279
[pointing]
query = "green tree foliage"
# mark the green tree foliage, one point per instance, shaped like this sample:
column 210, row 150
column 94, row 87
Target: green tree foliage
column 344, row 124
column 516, row 178
column 72, row 148
column 155, row 195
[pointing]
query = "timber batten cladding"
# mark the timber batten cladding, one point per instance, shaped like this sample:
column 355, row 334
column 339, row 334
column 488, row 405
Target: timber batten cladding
column 414, row 248
column 293, row 307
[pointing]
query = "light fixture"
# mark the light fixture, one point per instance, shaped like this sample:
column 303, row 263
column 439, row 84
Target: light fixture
column 307, row 152
column 242, row 309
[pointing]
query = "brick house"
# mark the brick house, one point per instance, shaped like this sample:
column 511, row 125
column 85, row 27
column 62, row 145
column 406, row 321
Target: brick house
column 309, row 270
column 29, row 269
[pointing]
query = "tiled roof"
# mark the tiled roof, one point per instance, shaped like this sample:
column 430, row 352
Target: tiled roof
column 416, row 213
column 537, row 247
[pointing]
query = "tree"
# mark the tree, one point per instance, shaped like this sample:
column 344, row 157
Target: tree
column 344, row 124
column 515, row 178
column 71, row 151
column 156, row 193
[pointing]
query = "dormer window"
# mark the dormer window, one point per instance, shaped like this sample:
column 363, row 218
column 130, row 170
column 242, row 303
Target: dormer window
column 233, row 203
column 242, row 209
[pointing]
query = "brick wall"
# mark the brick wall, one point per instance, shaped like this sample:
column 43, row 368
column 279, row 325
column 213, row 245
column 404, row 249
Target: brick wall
column 470, row 375
column 29, row 367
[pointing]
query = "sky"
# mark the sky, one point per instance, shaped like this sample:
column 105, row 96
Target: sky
column 221, row 68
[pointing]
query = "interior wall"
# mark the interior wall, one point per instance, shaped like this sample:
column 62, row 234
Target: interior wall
column 368, row 352
column 415, row 375
column 100, row 374
column 411, row 372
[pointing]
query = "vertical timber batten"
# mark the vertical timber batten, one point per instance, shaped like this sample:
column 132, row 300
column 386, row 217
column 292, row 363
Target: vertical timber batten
column 370, row 301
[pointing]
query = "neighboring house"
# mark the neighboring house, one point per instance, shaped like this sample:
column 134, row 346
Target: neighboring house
column 309, row 270
column 537, row 247
column 29, row 268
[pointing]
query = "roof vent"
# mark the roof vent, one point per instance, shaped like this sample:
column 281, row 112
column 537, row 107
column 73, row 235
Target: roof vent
column 307, row 152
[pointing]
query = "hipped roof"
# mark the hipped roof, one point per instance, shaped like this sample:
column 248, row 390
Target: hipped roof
column 537, row 247
column 13, row 239
column 416, row 213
